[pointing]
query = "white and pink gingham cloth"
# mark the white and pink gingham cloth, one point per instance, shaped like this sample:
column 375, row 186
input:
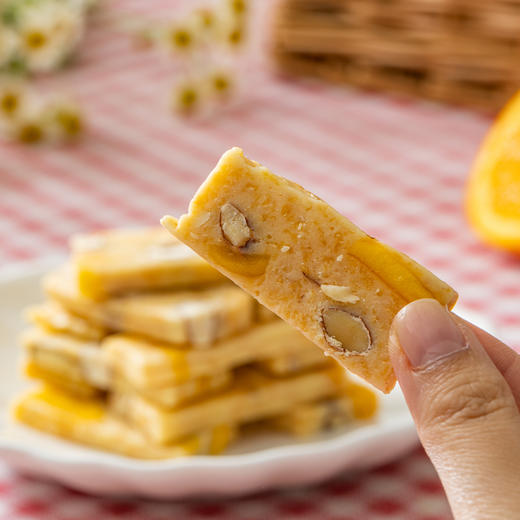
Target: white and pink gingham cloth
column 396, row 168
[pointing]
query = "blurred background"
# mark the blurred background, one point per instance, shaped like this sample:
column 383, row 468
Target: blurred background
column 122, row 108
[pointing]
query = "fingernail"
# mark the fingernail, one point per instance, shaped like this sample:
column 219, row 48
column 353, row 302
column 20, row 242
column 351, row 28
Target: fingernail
column 427, row 333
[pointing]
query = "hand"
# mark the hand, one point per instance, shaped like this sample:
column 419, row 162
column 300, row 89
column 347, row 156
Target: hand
column 462, row 386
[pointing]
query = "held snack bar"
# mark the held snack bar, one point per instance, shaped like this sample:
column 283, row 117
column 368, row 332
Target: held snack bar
column 306, row 262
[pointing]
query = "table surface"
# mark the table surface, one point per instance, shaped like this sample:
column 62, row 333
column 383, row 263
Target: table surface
column 395, row 167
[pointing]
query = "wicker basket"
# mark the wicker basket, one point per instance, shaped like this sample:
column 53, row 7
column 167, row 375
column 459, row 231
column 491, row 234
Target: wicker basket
column 459, row 51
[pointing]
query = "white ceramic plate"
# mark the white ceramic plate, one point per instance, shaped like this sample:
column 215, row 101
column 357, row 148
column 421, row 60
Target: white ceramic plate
column 254, row 464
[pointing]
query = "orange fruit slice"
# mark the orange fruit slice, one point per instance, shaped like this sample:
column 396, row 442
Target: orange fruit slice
column 493, row 191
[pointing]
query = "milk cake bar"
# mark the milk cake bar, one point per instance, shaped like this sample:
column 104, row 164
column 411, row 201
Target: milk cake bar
column 165, row 375
column 310, row 419
column 306, row 262
column 293, row 362
column 84, row 368
column 87, row 421
column 53, row 317
column 67, row 357
column 209, row 314
column 146, row 364
column 354, row 403
column 171, row 397
column 60, row 378
column 123, row 260
column 192, row 318
column 254, row 396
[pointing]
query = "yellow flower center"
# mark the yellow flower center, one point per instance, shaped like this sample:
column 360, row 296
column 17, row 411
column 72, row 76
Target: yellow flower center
column 188, row 98
column 238, row 6
column 181, row 39
column 70, row 122
column 235, row 37
column 9, row 103
column 30, row 133
column 221, row 84
column 207, row 19
column 35, row 40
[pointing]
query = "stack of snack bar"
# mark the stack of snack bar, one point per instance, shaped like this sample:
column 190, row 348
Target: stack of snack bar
column 145, row 350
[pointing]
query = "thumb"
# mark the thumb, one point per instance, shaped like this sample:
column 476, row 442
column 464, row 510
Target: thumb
column 464, row 410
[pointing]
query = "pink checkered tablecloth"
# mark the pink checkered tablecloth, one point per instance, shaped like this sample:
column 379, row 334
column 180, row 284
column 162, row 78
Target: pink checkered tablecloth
column 397, row 168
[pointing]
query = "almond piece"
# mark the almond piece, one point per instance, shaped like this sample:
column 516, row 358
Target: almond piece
column 339, row 293
column 345, row 332
column 234, row 226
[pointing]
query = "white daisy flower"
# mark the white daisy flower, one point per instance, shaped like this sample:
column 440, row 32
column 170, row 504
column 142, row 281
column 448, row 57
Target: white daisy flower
column 48, row 34
column 180, row 38
column 186, row 98
column 237, row 8
column 220, row 85
column 205, row 21
column 232, row 30
column 63, row 120
column 29, row 129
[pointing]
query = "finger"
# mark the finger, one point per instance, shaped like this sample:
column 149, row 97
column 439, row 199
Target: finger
column 505, row 358
column 463, row 408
